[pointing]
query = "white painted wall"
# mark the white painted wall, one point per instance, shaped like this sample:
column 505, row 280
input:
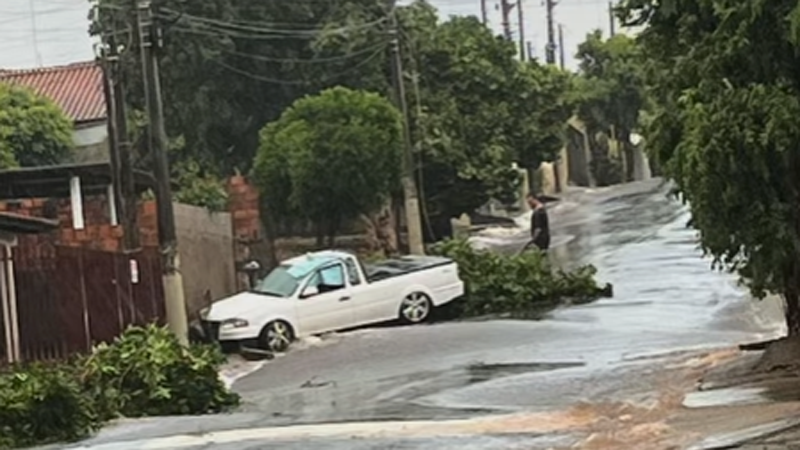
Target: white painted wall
column 90, row 135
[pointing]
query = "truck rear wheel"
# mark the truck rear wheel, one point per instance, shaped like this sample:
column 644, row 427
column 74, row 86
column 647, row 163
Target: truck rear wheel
column 415, row 308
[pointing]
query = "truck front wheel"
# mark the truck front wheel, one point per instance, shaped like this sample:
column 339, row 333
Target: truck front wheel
column 276, row 336
column 415, row 308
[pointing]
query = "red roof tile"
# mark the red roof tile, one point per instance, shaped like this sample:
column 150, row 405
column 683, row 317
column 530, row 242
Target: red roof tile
column 76, row 88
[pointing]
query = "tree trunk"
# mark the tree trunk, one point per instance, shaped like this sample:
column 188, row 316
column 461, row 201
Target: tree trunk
column 320, row 234
column 332, row 229
column 792, row 313
column 265, row 250
column 380, row 231
column 791, row 295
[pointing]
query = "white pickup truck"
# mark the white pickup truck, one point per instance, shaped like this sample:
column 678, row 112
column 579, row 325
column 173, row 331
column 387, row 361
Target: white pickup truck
column 331, row 290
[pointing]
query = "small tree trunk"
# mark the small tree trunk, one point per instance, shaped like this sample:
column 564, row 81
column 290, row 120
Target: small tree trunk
column 332, row 229
column 792, row 313
column 320, row 234
column 791, row 295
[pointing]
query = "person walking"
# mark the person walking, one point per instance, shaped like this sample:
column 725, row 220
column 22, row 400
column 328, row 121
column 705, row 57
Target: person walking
column 540, row 224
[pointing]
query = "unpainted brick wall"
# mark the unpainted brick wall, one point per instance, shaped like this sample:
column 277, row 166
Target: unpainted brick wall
column 98, row 233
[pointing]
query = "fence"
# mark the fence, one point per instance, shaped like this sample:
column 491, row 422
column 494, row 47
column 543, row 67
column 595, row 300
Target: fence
column 72, row 298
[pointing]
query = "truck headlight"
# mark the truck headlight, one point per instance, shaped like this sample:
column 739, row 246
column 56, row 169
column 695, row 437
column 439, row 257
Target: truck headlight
column 235, row 323
column 204, row 312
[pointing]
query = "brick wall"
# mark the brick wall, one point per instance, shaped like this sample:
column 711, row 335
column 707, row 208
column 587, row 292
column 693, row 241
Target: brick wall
column 243, row 204
column 244, row 208
column 98, row 233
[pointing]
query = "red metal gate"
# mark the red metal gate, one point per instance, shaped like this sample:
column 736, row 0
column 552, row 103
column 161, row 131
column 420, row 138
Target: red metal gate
column 70, row 299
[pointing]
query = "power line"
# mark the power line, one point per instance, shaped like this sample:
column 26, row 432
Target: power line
column 315, row 60
column 328, row 77
column 236, row 30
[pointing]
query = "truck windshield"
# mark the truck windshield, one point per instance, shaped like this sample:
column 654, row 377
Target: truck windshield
column 284, row 280
column 279, row 283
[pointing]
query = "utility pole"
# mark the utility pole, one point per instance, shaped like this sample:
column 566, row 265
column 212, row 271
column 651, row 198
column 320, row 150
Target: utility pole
column 111, row 107
column 521, row 36
column 561, row 53
column 529, row 45
column 505, row 8
column 413, row 219
column 550, row 52
column 612, row 28
column 484, row 13
column 168, row 242
column 129, row 208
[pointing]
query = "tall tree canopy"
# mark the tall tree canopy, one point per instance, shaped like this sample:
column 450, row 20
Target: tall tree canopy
column 331, row 157
column 726, row 92
column 230, row 66
column 33, row 130
column 478, row 110
column 611, row 94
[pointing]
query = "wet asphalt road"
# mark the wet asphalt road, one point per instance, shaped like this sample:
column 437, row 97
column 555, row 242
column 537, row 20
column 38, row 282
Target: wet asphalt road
column 666, row 299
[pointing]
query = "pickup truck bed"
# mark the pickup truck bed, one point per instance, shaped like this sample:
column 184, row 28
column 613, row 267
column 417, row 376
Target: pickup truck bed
column 400, row 266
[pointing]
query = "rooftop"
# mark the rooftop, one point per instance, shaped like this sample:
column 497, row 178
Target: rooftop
column 19, row 224
column 53, row 181
column 76, row 88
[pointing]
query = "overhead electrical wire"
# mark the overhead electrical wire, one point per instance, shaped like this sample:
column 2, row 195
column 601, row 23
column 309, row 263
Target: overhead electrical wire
column 265, row 79
column 314, row 60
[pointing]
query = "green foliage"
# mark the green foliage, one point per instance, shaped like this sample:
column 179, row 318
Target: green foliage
column 40, row 405
column 521, row 284
column 198, row 188
column 331, row 157
column 476, row 110
column 724, row 127
column 229, row 67
column 610, row 95
column 145, row 372
column 33, row 130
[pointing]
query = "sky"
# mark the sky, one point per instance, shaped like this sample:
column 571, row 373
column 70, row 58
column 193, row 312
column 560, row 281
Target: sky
column 37, row 33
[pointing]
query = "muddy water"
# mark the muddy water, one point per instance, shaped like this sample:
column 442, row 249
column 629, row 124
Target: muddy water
column 666, row 300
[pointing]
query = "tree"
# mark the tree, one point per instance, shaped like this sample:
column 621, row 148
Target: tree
column 230, row 66
column 611, row 92
column 33, row 130
column 725, row 88
column 477, row 110
column 331, row 157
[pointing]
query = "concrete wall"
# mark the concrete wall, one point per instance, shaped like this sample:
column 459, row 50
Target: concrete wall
column 207, row 260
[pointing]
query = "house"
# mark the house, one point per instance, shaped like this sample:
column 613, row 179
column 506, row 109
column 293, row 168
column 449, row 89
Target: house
column 78, row 90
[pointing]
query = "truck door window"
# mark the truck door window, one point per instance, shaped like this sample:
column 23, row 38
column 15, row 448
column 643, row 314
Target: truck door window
column 352, row 272
column 329, row 279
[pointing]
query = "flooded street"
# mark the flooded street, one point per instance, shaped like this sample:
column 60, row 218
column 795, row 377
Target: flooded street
column 507, row 384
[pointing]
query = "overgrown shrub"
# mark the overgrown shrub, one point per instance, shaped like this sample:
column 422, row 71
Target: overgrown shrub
column 40, row 404
column 145, row 372
column 520, row 284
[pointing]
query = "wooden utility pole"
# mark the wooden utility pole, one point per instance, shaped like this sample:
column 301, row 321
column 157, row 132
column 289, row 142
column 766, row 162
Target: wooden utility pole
column 505, row 9
column 550, row 53
column 168, row 242
column 521, row 22
column 561, row 52
column 484, row 13
column 413, row 219
column 120, row 146
column 111, row 107
column 612, row 28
